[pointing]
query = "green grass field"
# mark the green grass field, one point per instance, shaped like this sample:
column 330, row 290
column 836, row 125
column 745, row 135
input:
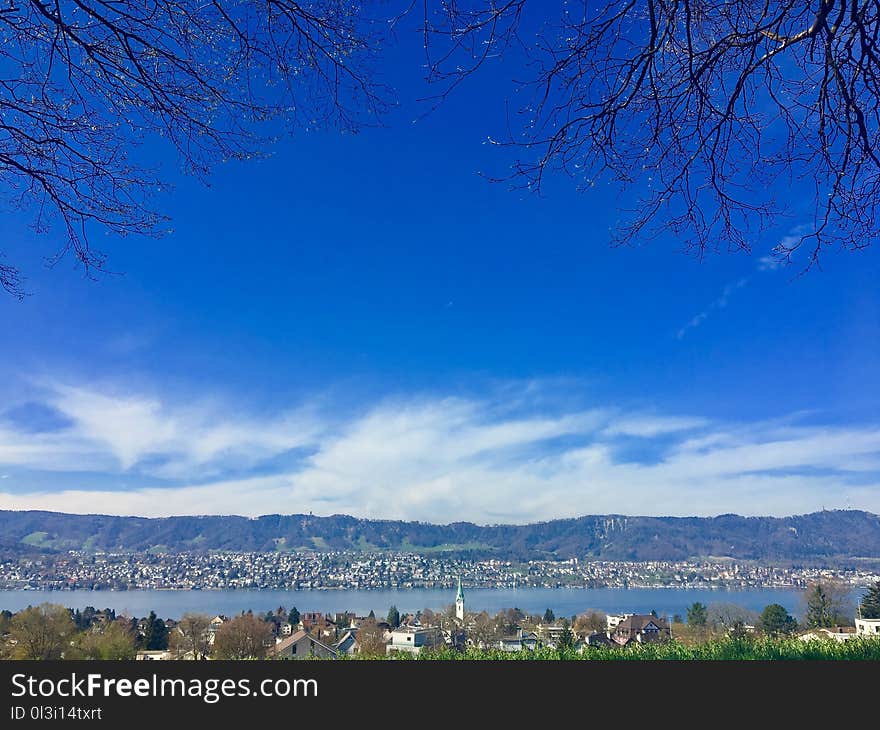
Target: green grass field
column 759, row 649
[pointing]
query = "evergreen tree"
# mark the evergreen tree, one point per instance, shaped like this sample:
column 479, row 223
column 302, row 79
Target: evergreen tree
column 566, row 638
column 819, row 613
column 549, row 616
column 293, row 616
column 393, row 617
column 870, row 605
column 5, row 619
column 155, row 633
column 697, row 614
column 776, row 620
column 828, row 603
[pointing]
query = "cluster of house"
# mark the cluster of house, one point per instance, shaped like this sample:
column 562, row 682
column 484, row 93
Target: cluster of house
column 620, row 630
column 322, row 636
column 414, row 638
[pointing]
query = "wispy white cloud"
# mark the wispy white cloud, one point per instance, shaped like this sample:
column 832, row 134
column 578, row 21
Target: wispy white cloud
column 777, row 260
column 128, row 343
column 769, row 263
column 782, row 251
column 650, row 426
column 719, row 303
column 122, row 431
column 439, row 459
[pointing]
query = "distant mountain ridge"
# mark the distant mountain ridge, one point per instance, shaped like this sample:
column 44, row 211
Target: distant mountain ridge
column 818, row 536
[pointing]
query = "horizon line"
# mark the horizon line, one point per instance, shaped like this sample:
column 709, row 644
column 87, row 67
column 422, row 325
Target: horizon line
column 443, row 524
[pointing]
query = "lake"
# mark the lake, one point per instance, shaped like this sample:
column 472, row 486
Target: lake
column 563, row 601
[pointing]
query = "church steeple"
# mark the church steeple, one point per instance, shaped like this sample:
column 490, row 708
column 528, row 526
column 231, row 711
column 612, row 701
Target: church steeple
column 459, row 602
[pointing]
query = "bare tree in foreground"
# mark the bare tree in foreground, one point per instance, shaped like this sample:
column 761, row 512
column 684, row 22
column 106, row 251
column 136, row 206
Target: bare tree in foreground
column 42, row 632
column 704, row 111
column 191, row 638
column 707, row 109
column 370, row 639
column 83, row 81
column 243, row 637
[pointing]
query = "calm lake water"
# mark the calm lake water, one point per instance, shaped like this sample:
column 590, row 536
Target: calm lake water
column 563, row 601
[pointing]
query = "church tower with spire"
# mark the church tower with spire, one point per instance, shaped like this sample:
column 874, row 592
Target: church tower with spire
column 459, row 602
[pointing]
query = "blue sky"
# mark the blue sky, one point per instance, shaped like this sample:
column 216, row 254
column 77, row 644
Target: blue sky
column 363, row 324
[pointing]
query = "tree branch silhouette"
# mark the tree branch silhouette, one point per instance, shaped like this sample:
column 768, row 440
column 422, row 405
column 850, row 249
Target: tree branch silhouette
column 83, row 81
column 709, row 111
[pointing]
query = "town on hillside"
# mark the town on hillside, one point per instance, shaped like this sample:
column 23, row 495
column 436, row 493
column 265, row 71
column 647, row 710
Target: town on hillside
column 79, row 570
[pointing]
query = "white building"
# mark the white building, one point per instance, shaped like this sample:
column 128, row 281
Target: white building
column 868, row 627
column 612, row 621
column 550, row 632
column 153, row 655
column 214, row 626
column 413, row 640
column 837, row 633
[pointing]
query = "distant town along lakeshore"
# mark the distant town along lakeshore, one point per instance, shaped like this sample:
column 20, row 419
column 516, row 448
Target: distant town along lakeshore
column 324, row 570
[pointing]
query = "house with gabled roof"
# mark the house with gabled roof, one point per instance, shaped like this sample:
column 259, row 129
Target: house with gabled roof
column 214, row 626
column 597, row 638
column 302, row 645
column 520, row 641
column 643, row 628
column 347, row 644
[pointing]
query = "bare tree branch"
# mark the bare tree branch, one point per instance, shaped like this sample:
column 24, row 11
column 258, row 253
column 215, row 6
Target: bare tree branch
column 81, row 81
column 710, row 110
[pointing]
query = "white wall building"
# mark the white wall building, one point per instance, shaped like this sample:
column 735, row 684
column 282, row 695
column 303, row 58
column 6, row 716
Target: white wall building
column 612, row 621
column 153, row 655
column 868, row 627
column 412, row 640
column 838, row 633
